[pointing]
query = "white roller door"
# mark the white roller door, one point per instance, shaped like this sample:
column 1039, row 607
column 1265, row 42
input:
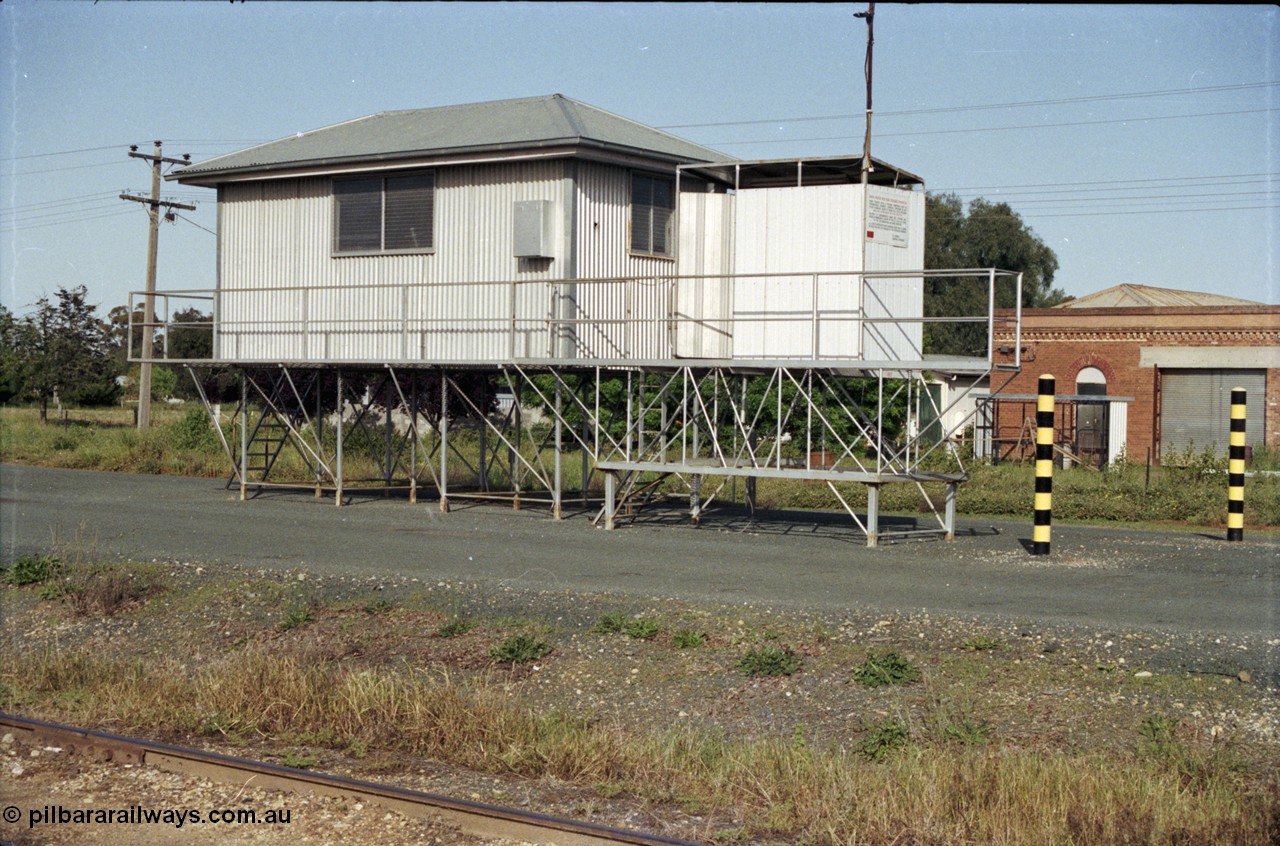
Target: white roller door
column 1195, row 408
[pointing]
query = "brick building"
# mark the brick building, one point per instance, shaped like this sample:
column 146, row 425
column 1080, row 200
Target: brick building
column 1172, row 356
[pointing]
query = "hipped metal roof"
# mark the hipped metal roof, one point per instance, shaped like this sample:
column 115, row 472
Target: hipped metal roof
column 476, row 128
column 1146, row 296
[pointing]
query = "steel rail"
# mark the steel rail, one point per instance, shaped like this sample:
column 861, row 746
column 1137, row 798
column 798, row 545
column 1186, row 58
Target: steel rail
column 476, row 818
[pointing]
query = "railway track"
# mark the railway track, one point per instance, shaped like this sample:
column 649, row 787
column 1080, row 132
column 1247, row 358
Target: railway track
column 475, row 818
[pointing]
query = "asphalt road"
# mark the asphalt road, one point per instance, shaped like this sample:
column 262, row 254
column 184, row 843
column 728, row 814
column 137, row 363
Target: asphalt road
column 1096, row 577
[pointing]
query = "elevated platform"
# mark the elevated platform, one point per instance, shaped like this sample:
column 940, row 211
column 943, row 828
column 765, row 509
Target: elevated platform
column 827, row 386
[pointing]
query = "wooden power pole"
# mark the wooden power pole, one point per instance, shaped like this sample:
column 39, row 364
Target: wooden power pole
column 154, row 204
column 869, row 16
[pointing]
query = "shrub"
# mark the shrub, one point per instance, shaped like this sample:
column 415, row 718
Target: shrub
column 33, row 570
column 193, row 431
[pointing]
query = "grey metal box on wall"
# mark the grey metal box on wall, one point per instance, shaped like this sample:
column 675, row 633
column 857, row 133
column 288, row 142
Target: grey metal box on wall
column 533, row 230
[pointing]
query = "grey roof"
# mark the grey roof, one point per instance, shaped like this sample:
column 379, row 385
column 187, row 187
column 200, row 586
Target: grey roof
column 496, row 126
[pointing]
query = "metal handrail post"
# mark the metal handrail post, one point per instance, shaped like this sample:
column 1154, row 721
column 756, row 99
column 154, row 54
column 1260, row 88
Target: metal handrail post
column 1017, row 327
column 511, row 342
column 814, row 328
column 991, row 316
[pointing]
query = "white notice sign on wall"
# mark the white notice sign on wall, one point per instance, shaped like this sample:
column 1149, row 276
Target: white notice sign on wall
column 886, row 216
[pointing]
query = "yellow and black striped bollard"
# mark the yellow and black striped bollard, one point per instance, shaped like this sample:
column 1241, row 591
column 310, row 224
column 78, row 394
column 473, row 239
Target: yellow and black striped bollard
column 1044, row 467
column 1235, row 468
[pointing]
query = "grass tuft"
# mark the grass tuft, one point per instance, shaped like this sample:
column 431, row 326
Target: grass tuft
column 883, row 670
column 687, row 638
column 770, row 660
column 519, row 649
column 455, row 628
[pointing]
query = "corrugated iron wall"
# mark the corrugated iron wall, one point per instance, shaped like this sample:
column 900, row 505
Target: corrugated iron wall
column 278, row 236
column 630, row 317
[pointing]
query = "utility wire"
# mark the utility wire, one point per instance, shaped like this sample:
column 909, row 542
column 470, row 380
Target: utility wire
column 991, row 128
column 1052, row 213
column 21, row 226
column 1021, row 104
column 227, row 142
column 1103, row 182
column 193, row 223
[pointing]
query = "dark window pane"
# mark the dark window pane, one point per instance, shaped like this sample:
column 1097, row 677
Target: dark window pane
column 641, row 198
column 652, row 206
column 409, row 211
column 359, row 214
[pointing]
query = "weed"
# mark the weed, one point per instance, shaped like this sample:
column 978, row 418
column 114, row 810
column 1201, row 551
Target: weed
column 884, row 738
column 298, row 759
column 378, row 607
column 519, row 649
column 295, row 618
column 951, row 722
column 769, row 660
column 33, row 570
column 981, row 643
column 609, row 789
column 52, row 591
column 611, row 623
column 642, row 629
column 688, row 638
column 638, row 628
column 455, row 627
column 885, row 670
column 104, row 591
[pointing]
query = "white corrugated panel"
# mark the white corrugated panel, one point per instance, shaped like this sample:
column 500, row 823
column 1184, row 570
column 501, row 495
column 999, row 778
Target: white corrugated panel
column 627, row 318
column 1117, row 429
column 810, row 234
column 704, row 303
column 899, row 298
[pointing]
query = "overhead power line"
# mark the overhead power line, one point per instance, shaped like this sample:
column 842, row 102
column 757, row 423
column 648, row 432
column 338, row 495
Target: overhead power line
column 994, row 128
column 1106, row 182
column 1245, row 86
column 214, row 141
column 1161, row 210
column 17, row 226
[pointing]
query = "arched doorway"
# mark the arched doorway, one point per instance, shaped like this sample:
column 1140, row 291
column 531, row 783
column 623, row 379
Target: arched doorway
column 1091, row 416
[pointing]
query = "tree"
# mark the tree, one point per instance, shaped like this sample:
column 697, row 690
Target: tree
column 987, row 235
column 15, row 341
column 69, row 353
column 190, row 335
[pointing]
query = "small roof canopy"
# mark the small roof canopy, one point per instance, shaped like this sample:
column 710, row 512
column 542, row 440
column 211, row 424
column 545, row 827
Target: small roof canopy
column 829, row 170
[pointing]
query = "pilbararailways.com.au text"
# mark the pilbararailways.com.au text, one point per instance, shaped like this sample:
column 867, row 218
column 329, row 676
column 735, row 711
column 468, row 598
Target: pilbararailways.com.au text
column 141, row 815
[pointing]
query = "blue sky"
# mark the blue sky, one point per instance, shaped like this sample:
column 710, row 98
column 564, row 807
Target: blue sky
column 1140, row 142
